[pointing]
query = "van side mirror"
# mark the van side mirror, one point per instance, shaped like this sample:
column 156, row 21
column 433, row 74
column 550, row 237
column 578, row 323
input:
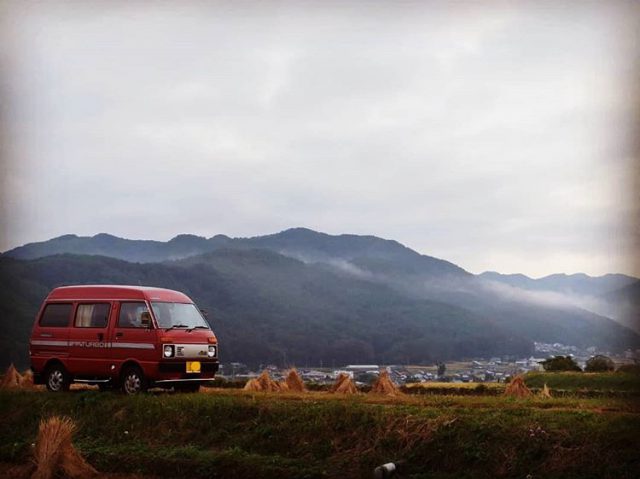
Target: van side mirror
column 145, row 319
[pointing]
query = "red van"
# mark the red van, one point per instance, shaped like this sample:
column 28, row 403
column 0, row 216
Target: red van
column 132, row 337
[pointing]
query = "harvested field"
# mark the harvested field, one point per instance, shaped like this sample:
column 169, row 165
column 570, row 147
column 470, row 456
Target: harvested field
column 286, row 434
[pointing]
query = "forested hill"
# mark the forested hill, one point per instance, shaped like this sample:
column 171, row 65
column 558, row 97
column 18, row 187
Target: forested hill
column 266, row 307
column 303, row 297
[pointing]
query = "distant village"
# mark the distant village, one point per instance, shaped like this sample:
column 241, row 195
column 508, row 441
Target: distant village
column 479, row 370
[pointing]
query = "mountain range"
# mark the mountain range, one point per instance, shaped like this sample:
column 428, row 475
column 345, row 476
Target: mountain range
column 303, row 297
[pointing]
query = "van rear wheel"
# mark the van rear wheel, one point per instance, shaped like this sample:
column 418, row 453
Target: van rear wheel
column 57, row 378
column 133, row 381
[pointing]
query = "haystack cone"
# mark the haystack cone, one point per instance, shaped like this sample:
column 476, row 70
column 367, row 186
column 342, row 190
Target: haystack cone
column 252, row 385
column 517, row 388
column 294, row 381
column 55, row 454
column 11, row 378
column 384, row 385
column 344, row 384
column 266, row 383
column 545, row 393
column 26, row 381
column 263, row 383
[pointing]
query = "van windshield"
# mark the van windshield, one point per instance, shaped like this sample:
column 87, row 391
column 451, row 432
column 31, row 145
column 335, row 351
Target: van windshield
column 178, row 315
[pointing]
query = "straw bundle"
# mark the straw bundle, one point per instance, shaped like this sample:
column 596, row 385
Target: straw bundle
column 54, row 452
column 344, row 384
column 263, row 383
column 26, row 381
column 545, row 393
column 252, row 385
column 294, row 382
column 11, row 378
column 517, row 388
column 384, row 385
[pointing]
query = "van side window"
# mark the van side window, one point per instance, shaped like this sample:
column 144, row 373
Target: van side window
column 56, row 315
column 130, row 314
column 92, row 315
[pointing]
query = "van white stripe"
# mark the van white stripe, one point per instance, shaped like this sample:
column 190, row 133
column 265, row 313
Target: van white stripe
column 133, row 345
column 40, row 342
column 92, row 344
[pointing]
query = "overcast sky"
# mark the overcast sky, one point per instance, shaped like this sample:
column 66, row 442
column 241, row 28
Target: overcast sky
column 498, row 138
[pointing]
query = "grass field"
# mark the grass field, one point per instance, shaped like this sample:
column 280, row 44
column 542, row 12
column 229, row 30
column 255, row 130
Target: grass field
column 234, row 434
column 576, row 381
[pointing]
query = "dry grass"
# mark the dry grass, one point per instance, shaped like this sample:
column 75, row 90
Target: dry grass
column 344, row 385
column 55, row 454
column 545, row 393
column 294, row 382
column 517, row 388
column 384, row 385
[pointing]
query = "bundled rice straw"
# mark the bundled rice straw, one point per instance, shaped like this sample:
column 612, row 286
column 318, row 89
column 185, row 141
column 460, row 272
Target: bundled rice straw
column 517, row 388
column 344, row 384
column 11, row 378
column 545, row 393
column 252, row 385
column 384, row 385
column 55, row 453
column 26, row 381
column 294, row 382
column 263, row 383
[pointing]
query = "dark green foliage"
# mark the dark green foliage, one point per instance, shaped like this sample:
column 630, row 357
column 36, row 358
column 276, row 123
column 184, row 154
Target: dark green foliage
column 560, row 363
column 598, row 364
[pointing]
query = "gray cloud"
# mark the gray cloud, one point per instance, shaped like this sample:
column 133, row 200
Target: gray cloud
column 498, row 138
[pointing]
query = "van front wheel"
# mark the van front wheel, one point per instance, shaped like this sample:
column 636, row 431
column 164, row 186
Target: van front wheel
column 133, row 381
column 58, row 378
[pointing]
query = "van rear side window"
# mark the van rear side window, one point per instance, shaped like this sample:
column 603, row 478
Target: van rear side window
column 56, row 315
column 92, row 315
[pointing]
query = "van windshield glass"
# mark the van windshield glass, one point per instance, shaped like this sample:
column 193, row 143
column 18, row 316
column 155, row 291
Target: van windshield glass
column 178, row 315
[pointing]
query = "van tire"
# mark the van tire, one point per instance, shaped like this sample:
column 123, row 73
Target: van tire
column 57, row 379
column 133, row 381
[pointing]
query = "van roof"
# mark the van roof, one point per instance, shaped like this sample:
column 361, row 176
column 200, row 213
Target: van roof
column 110, row 291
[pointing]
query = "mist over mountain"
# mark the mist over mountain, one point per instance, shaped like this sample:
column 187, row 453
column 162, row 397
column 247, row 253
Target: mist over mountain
column 616, row 296
column 303, row 297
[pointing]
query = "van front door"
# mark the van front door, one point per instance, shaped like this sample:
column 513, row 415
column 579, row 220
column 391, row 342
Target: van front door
column 88, row 341
column 132, row 338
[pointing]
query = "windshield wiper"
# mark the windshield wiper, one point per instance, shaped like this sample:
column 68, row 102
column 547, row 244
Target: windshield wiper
column 198, row 327
column 177, row 326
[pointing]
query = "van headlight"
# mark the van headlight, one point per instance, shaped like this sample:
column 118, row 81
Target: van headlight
column 168, row 351
column 212, row 351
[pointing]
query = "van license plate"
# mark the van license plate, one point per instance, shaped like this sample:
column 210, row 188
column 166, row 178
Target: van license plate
column 193, row 366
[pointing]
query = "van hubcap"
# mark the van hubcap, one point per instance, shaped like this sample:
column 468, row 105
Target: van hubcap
column 55, row 380
column 132, row 383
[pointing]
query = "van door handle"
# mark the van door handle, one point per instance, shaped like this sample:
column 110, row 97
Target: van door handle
column 119, row 335
column 100, row 336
